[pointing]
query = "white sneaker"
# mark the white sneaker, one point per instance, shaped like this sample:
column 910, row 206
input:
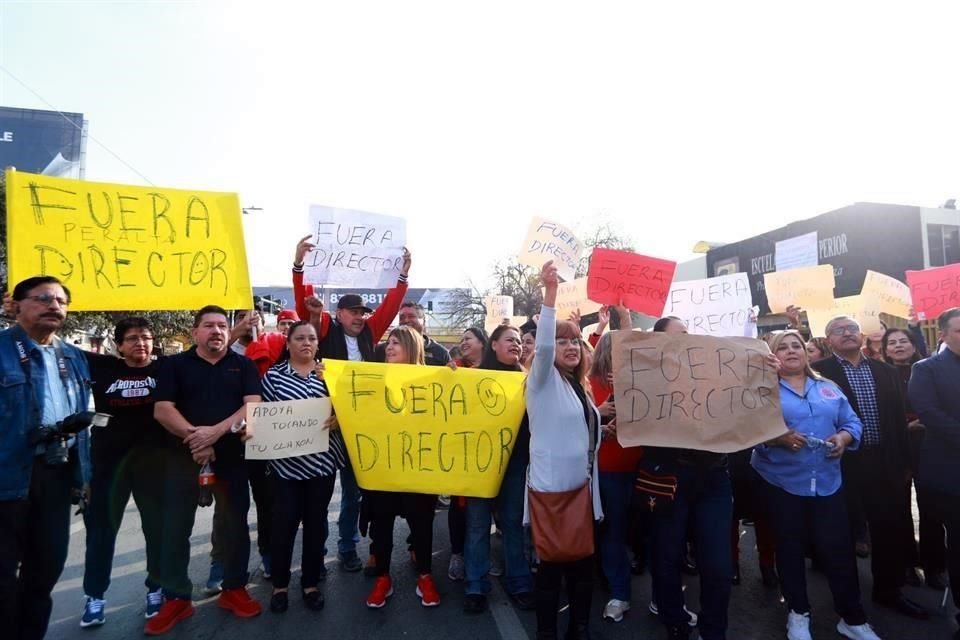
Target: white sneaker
column 691, row 616
column 857, row 632
column 798, row 626
column 615, row 610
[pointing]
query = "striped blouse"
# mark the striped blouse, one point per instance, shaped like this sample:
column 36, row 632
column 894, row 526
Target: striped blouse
column 281, row 382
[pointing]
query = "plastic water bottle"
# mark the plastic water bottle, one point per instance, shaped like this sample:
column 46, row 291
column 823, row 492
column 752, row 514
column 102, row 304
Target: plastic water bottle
column 206, row 479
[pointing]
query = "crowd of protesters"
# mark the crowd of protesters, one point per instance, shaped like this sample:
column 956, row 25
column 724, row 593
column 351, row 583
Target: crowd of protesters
column 870, row 419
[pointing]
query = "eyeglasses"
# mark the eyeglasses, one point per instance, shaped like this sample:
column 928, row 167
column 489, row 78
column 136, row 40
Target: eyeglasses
column 138, row 338
column 48, row 298
column 851, row 329
column 563, row 343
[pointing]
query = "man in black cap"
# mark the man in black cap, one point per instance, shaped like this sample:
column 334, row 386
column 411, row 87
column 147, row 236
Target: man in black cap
column 352, row 335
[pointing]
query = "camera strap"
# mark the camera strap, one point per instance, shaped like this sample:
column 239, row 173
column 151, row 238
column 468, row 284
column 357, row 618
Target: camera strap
column 61, row 366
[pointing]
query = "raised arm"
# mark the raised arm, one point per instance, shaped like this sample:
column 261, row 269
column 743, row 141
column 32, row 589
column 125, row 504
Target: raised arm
column 301, row 291
column 545, row 351
column 379, row 321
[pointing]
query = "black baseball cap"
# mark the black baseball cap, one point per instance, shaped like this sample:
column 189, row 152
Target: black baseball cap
column 352, row 301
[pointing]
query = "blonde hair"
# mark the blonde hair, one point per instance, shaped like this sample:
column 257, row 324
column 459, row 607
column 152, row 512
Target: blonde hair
column 412, row 342
column 779, row 336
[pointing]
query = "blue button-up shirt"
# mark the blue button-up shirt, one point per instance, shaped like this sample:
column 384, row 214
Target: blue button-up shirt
column 864, row 388
column 821, row 411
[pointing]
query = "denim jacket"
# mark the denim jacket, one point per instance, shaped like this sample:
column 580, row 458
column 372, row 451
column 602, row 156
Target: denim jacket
column 20, row 411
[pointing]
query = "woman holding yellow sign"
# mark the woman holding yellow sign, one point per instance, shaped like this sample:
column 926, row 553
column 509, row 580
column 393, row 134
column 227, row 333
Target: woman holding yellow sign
column 404, row 346
column 563, row 492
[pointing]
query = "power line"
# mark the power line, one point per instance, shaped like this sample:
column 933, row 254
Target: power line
column 75, row 125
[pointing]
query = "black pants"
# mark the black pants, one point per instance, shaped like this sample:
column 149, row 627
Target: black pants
column 800, row 521
column 34, row 534
column 296, row 501
column 117, row 474
column 180, row 506
column 869, row 479
column 262, row 489
column 418, row 509
column 945, row 508
column 457, row 524
column 579, row 578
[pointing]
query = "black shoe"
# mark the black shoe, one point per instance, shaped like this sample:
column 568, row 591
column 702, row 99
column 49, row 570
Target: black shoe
column 903, row 605
column 769, row 577
column 578, row 632
column 313, row 600
column 638, row 566
column 475, row 603
column 681, row 632
column 689, row 567
column 736, row 576
column 350, row 563
column 279, row 602
column 936, row 580
column 863, row 549
column 524, row 601
column 914, row 578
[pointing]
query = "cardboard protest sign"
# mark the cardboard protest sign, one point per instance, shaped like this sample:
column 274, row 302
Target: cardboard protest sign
column 548, row 240
column 864, row 308
column 287, row 428
column 720, row 306
column 694, row 392
column 641, row 283
column 892, row 295
column 807, row 287
column 933, row 291
column 572, row 296
column 355, row 249
column 499, row 308
column 121, row 247
column 427, row 429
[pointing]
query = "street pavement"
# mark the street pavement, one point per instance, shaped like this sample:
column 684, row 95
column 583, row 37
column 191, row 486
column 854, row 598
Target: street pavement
column 756, row 613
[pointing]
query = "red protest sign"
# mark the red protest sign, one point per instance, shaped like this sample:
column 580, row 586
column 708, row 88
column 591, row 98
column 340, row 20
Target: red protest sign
column 639, row 282
column 933, row 291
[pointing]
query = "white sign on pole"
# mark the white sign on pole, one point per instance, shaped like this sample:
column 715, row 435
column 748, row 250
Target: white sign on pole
column 354, row 249
column 287, row 428
column 799, row 251
column 718, row 306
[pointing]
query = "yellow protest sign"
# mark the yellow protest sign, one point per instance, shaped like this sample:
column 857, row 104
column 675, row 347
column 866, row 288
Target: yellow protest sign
column 864, row 308
column 807, row 287
column 893, row 296
column 122, row 247
column 427, row 429
column 572, row 296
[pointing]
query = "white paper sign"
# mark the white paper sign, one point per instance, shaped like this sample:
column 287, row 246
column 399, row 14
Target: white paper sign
column 499, row 308
column 572, row 296
column 800, row 251
column 718, row 306
column 548, row 240
column 288, row 428
column 355, row 249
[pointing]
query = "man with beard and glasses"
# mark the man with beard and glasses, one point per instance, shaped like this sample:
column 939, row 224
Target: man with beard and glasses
column 43, row 380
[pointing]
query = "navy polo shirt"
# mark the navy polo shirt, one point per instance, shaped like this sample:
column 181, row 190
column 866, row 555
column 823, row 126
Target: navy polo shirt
column 206, row 393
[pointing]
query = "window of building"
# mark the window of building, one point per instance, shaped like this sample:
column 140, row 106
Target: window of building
column 944, row 241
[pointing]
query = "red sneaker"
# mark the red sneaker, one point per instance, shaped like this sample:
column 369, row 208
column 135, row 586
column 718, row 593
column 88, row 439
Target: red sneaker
column 239, row 602
column 382, row 589
column 427, row 591
column 174, row 610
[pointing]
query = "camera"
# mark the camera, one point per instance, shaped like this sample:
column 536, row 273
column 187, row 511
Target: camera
column 55, row 437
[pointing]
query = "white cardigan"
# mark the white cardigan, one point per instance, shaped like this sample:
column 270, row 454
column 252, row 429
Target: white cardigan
column 558, row 429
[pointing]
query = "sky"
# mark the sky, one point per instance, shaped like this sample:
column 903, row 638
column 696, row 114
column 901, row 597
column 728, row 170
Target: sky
column 672, row 122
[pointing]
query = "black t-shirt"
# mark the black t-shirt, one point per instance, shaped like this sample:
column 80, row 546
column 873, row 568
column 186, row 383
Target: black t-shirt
column 206, row 393
column 126, row 393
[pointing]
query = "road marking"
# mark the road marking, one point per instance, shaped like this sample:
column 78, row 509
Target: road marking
column 504, row 615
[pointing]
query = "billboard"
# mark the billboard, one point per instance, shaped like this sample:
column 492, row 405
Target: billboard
column 47, row 142
column 886, row 238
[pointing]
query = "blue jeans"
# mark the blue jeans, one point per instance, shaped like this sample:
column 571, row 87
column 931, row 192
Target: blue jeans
column 476, row 552
column 704, row 501
column 349, row 519
column 616, row 490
